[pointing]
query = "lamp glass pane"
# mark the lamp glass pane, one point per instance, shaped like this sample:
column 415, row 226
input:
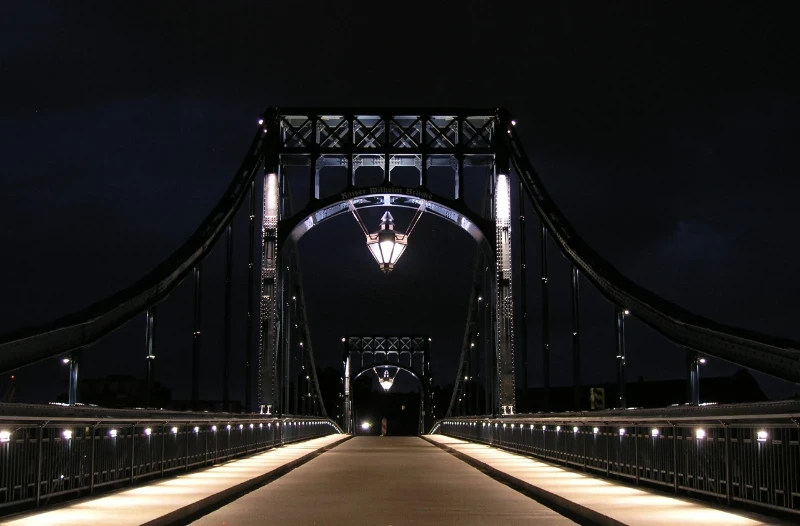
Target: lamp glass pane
column 398, row 251
column 376, row 251
column 386, row 250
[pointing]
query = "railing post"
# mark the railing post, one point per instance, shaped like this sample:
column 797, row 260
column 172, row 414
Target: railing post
column 133, row 449
column 636, row 451
column 584, row 450
column 608, row 463
column 675, row 456
column 186, row 451
column 163, row 446
column 91, row 463
column 39, row 440
column 727, row 464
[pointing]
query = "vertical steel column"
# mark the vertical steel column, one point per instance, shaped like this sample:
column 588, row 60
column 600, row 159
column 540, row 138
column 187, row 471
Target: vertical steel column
column 576, row 340
column 226, row 351
column 523, row 299
column 486, row 343
column 622, row 399
column 73, row 376
column 504, row 315
column 269, row 304
column 198, row 312
column 692, row 377
column 423, row 169
column 287, row 341
column 248, row 373
column 545, row 324
column 149, row 346
column 314, row 176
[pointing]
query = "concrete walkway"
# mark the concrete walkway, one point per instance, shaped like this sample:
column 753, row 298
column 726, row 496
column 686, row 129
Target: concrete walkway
column 385, row 481
column 598, row 500
column 181, row 497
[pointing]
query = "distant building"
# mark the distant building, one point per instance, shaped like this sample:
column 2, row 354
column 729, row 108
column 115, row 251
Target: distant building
column 212, row 406
column 738, row 388
column 121, row 391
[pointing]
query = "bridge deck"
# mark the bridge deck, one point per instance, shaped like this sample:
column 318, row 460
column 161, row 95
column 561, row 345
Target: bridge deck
column 391, row 480
column 384, row 480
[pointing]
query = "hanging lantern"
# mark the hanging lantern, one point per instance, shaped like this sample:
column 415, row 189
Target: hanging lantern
column 386, row 380
column 387, row 245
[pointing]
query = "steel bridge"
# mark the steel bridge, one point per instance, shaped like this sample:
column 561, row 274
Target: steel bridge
column 741, row 455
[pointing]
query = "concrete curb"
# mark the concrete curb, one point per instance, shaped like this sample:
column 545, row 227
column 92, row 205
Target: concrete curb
column 205, row 506
column 571, row 509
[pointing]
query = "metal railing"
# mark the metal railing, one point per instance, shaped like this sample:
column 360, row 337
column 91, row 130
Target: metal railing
column 737, row 454
column 46, row 456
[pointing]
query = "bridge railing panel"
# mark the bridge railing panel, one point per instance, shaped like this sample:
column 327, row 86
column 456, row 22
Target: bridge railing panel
column 752, row 460
column 45, row 460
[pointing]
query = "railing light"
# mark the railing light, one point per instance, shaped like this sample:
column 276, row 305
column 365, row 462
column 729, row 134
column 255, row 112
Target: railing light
column 67, row 434
column 228, row 427
column 174, row 430
column 558, row 428
column 699, row 433
column 196, row 429
column 241, row 426
column 251, row 426
column 621, row 431
column 575, row 429
column 112, row 433
column 148, row 431
column 762, row 436
column 654, row 432
column 214, row 428
column 5, row 436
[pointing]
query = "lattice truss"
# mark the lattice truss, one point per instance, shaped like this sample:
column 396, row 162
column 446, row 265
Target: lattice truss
column 388, row 350
column 372, row 131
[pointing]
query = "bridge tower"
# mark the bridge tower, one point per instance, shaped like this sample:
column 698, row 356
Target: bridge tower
column 467, row 142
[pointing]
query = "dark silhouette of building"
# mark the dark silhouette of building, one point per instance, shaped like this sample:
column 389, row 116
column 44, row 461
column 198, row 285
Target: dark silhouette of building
column 120, row 391
column 738, row 388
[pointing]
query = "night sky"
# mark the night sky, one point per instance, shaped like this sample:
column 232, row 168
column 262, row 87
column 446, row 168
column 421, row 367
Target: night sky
column 665, row 131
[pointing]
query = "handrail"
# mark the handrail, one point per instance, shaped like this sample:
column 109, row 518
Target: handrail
column 778, row 357
column 85, row 327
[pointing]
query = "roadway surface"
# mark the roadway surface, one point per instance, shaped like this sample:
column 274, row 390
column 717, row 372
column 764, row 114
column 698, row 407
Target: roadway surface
column 388, row 481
